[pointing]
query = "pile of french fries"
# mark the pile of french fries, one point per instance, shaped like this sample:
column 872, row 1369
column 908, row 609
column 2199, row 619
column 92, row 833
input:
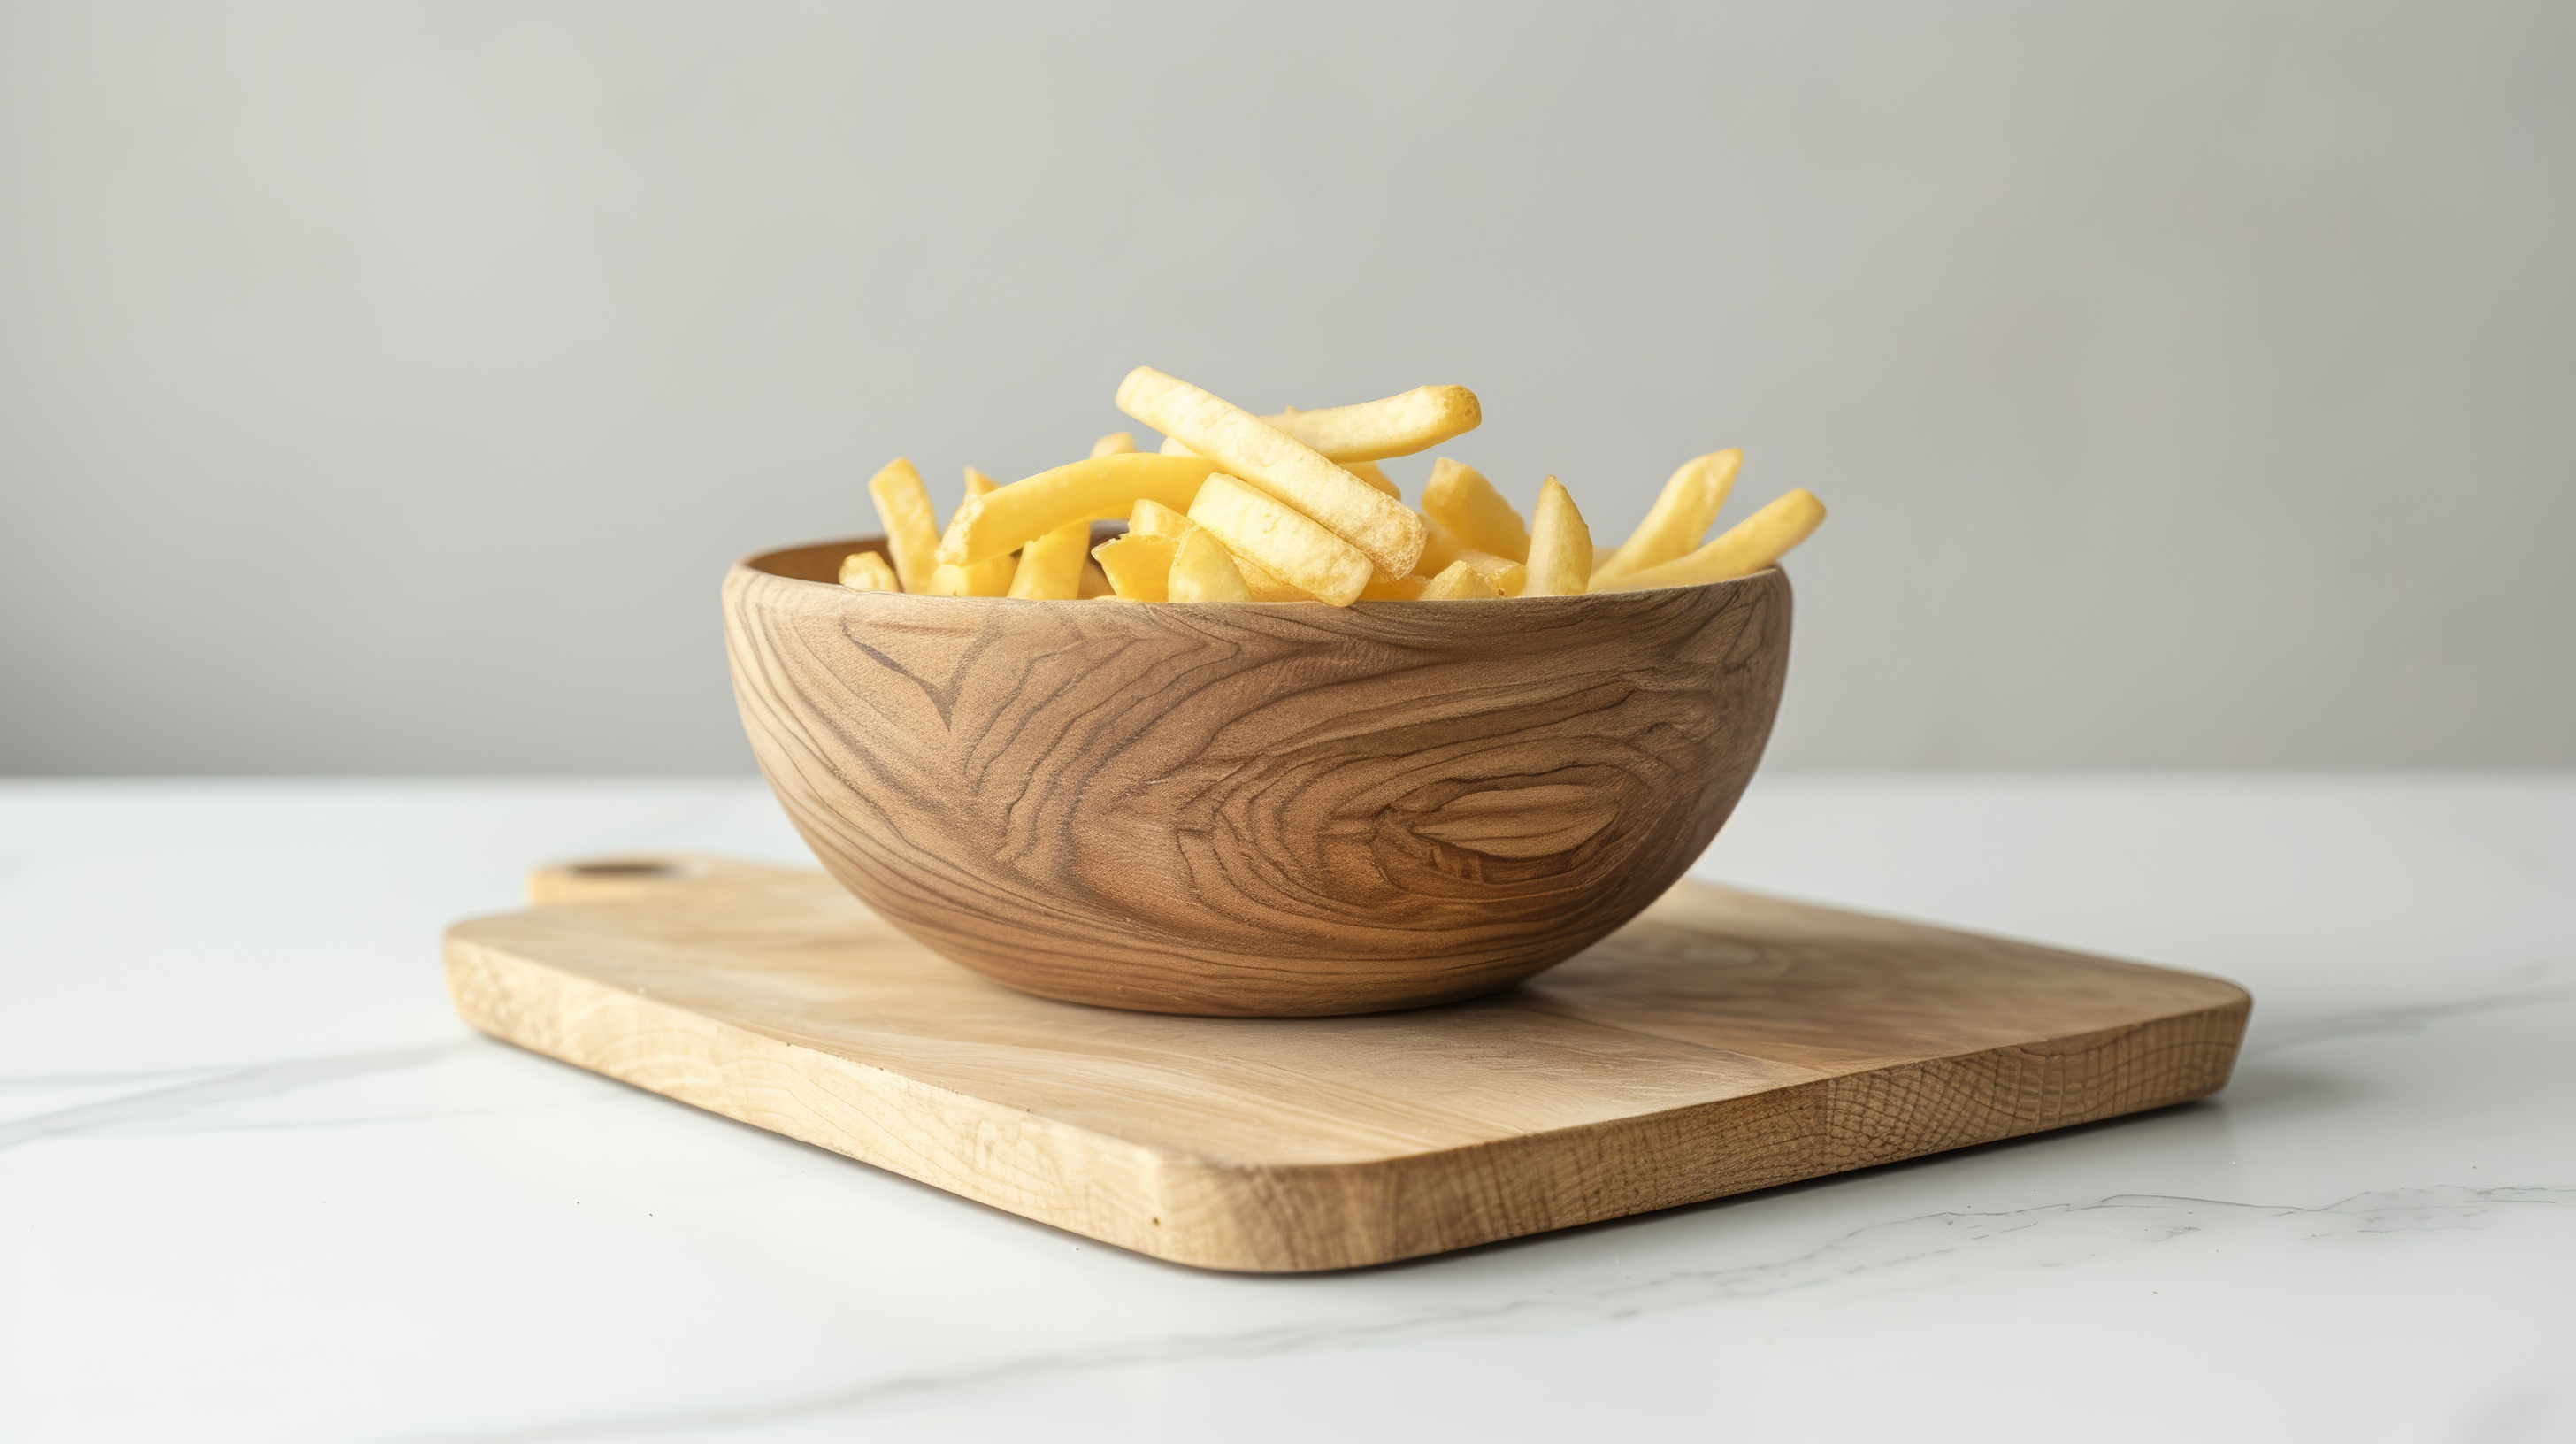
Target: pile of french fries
column 1293, row 508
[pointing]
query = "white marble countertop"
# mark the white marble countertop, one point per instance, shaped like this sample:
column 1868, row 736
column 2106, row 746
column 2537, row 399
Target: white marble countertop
column 257, row 1183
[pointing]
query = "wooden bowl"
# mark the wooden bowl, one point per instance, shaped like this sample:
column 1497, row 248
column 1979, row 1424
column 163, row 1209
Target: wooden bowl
column 1245, row 809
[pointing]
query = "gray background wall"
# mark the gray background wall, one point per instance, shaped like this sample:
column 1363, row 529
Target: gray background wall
column 383, row 388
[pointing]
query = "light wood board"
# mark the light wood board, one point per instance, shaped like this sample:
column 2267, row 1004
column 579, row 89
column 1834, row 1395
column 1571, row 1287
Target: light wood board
column 1723, row 1041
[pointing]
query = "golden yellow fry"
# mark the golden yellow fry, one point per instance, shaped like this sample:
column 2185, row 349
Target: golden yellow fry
column 1443, row 550
column 1284, row 541
column 1139, row 566
column 1367, row 471
column 1560, row 554
column 1381, row 527
column 1418, row 420
column 1203, row 572
column 984, row 579
column 1152, row 518
column 1402, row 589
column 988, row 578
column 1679, row 517
column 1103, row 488
column 1459, row 582
column 1266, row 587
column 912, row 533
column 1459, row 498
column 1051, row 567
column 1116, row 443
column 1740, row 551
column 868, row 572
column 1094, row 583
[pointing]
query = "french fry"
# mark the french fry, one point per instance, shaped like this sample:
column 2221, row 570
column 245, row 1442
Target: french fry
column 1202, row 571
column 1459, row 498
column 1418, row 420
column 1266, row 587
column 868, row 572
column 1051, row 567
column 1139, row 566
column 1678, row 519
column 1560, row 554
column 1282, row 540
column 1381, row 528
column 984, row 579
column 912, row 534
column 1459, row 582
column 1443, row 550
column 1152, row 518
column 988, row 578
column 1365, row 470
column 1401, row 425
column 1741, row 550
column 1292, row 507
column 1103, row 488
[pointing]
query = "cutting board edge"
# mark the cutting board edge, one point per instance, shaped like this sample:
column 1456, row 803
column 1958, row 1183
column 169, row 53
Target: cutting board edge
column 1308, row 1217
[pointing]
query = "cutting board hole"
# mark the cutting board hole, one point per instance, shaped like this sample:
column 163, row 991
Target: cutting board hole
column 637, row 871
column 612, row 879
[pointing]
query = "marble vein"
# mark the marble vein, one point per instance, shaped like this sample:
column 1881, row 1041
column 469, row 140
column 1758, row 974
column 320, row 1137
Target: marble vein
column 60, row 1082
column 2395, row 1021
column 233, row 1085
column 2063, row 1231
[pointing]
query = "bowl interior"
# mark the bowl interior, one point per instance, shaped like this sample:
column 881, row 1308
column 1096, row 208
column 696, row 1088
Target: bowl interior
column 814, row 561
column 821, row 561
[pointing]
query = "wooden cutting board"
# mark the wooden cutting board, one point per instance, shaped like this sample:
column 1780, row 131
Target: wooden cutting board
column 1723, row 1041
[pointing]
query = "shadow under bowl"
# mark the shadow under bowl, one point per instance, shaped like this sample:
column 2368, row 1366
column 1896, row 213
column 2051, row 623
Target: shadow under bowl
column 1256, row 810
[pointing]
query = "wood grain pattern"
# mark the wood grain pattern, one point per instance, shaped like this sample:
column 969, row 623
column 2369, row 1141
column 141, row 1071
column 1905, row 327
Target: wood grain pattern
column 1723, row 1041
column 1254, row 810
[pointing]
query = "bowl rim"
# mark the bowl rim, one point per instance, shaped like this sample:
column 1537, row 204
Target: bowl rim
column 876, row 541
